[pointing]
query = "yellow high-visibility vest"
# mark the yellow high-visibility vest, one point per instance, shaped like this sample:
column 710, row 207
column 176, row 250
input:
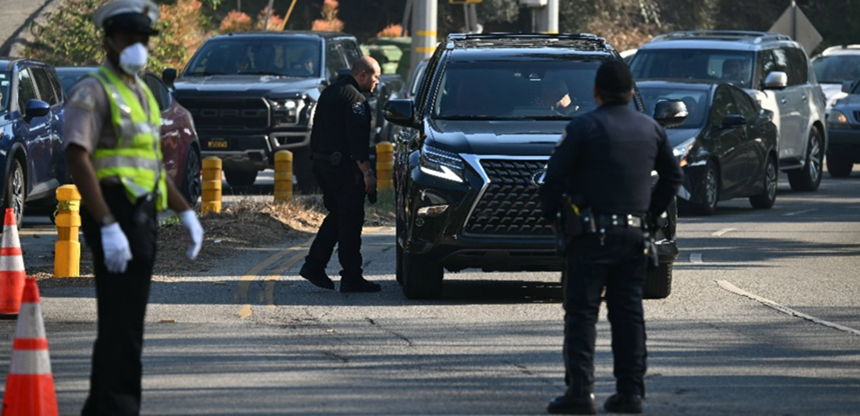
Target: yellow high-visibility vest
column 136, row 159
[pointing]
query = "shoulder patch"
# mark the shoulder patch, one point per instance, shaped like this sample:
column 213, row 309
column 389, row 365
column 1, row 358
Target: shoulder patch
column 83, row 98
column 358, row 108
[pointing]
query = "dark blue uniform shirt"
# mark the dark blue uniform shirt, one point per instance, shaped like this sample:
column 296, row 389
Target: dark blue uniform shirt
column 606, row 157
column 342, row 121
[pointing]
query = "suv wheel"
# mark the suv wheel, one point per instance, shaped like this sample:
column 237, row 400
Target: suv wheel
column 192, row 183
column 16, row 192
column 422, row 278
column 711, row 189
column 808, row 178
column 767, row 198
column 658, row 282
column 240, row 178
column 839, row 166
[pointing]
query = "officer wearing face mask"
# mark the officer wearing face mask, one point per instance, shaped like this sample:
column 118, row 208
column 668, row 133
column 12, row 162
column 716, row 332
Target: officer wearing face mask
column 112, row 145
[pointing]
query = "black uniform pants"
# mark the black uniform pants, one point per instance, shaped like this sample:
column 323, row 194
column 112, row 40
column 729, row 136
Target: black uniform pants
column 115, row 381
column 343, row 197
column 619, row 266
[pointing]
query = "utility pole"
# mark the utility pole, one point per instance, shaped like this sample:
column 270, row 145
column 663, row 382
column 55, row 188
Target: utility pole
column 423, row 30
column 547, row 17
column 407, row 12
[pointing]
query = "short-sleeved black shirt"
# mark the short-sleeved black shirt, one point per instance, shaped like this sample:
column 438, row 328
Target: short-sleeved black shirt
column 342, row 121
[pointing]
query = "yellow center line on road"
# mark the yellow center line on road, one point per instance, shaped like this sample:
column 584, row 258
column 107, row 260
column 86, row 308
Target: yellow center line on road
column 245, row 281
column 268, row 295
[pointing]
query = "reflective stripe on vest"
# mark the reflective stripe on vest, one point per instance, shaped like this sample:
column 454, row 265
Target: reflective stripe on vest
column 136, row 160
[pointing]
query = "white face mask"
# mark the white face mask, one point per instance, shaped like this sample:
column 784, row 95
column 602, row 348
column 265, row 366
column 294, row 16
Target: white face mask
column 132, row 60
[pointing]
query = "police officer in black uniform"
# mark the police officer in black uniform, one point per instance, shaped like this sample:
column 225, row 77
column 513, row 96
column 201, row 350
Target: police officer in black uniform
column 604, row 161
column 339, row 145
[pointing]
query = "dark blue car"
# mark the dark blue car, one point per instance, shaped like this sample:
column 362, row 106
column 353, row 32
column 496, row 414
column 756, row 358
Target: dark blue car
column 31, row 125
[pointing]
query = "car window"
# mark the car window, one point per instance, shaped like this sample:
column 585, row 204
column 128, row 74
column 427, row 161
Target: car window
column 5, row 84
column 46, row 88
column 696, row 101
column 26, row 90
column 416, row 78
column 723, row 105
column 262, row 56
column 781, row 63
column 731, row 66
column 837, row 69
column 334, row 60
column 351, row 52
column 798, row 65
column 427, row 82
column 744, row 103
column 162, row 95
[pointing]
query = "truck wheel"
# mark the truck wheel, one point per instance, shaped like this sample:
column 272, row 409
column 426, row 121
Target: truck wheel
column 422, row 279
column 658, row 282
column 808, row 178
column 711, row 189
column 839, row 166
column 766, row 199
column 192, row 184
column 240, row 178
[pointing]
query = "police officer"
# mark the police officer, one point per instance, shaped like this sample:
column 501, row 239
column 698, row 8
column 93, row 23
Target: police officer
column 339, row 145
column 605, row 159
column 112, row 144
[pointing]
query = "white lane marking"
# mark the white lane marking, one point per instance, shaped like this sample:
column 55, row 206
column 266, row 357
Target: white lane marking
column 723, row 232
column 696, row 258
column 784, row 309
column 791, row 214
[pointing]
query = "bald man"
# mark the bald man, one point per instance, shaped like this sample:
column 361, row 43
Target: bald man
column 340, row 141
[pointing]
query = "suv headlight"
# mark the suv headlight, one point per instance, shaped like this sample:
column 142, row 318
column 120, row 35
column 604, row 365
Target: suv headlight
column 837, row 120
column 682, row 150
column 286, row 111
column 441, row 164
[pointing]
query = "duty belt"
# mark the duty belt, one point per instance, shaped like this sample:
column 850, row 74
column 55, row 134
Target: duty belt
column 618, row 220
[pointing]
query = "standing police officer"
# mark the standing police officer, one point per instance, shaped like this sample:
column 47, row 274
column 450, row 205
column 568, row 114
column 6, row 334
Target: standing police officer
column 605, row 160
column 113, row 152
column 339, row 144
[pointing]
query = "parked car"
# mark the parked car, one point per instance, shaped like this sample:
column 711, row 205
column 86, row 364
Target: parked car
column 179, row 144
column 253, row 94
column 31, row 128
column 470, row 160
column 843, row 126
column 771, row 67
column 836, row 67
column 726, row 146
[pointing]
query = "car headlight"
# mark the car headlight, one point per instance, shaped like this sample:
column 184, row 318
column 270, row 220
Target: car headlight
column 441, row 164
column 837, row 120
column 286, row 111
column 682, row 150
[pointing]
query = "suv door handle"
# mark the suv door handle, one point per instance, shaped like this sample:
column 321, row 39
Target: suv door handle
column 783, row 100
column 803, row 97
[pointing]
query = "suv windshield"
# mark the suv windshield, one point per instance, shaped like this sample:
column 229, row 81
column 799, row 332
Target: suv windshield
column 5, row 83
column 695, row 100
column 837, row 69
column 698, row 64
column 515, row 90
column 278, row 57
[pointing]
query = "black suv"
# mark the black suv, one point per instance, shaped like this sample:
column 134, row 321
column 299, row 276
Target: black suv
column 477, row 137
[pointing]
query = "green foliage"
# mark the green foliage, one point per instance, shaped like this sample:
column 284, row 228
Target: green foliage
column 69, row 36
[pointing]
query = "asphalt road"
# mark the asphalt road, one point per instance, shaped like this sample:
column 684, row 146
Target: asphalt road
column 763, row 320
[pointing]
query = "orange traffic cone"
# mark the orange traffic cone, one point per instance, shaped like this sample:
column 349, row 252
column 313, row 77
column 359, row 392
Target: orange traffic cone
column 30, row 385
column 12, row 274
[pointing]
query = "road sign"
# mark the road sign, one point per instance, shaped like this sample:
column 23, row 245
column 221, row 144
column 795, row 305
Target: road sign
column 464, row 1
column 795, row 24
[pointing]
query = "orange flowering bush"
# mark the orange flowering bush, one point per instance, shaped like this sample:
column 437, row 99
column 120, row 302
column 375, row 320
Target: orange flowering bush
column 235, row 21
column 182, row 31
column 393, row 30
column 329, row 22
column 275, row 21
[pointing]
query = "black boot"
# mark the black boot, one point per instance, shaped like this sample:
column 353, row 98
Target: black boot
column 316, row 276
column 623, row 403
column 572, row 405
column 358, row 284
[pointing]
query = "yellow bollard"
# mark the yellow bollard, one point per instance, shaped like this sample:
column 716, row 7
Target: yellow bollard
column 211, row 198
column 384, row 165
column 67, row 250
column 283, row 176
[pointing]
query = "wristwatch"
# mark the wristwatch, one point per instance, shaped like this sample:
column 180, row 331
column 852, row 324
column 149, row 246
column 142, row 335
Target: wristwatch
column 107, row 220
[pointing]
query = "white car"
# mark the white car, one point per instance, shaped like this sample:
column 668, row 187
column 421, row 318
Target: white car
column 835, row 67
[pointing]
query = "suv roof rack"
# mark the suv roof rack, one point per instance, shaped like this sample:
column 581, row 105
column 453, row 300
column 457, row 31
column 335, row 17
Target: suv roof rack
column 461, row 38
column 754, row 36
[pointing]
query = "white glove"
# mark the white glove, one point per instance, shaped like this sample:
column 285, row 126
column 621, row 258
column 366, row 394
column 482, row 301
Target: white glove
column 189, row 220
column 116, row 249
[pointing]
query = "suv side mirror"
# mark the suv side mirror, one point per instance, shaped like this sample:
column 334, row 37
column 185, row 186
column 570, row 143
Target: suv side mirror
column 168, row 76
column 401, row 112
column 734, row 120
column 36, row 108
column 776, row 80
column 670, row 113
column 847, row 86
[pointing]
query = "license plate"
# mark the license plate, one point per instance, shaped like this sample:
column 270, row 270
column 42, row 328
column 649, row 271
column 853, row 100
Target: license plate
column 217, row 144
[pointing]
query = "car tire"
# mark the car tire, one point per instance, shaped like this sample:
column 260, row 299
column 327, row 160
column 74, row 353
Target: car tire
column 839, row 166
column 16, row 191
column 767, row 198
column 398, row 263
column 192, row 183
column 658, row 282
column 711, row 190
column 422, row 278
column 240, row 178
column 809, row 178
